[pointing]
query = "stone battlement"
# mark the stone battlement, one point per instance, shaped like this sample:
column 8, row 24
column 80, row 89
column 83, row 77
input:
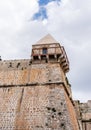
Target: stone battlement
column 14, row 64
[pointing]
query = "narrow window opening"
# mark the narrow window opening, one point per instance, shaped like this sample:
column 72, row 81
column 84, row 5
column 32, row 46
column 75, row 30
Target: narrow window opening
column 43, row 57
column 51, row 56
column 58, row 56
column 35, row 57
column 44, row 51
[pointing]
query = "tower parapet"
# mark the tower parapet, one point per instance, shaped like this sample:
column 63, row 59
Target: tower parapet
column 49, row 50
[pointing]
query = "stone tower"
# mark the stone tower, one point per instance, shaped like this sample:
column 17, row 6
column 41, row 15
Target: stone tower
column 35, row 94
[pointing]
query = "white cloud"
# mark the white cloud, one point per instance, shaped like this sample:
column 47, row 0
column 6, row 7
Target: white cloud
column 69, row 22
column 16, row 12
column 14, row 16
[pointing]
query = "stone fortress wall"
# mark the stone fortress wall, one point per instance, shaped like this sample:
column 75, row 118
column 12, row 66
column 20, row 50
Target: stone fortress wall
column 35, row 93
column 30, row 103
column 83, row 111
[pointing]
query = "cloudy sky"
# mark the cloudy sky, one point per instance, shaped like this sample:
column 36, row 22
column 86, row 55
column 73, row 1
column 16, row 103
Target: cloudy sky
column 23, row 22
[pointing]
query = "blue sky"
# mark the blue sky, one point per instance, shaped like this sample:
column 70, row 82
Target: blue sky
column 24, row 22
column 45, row 2
column 42, row 13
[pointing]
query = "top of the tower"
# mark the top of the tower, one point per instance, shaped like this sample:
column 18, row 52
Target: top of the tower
column 48, row 39
column 47, row 50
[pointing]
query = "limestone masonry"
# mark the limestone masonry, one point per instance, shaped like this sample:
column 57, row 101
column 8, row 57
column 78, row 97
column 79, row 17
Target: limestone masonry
column 35, row 93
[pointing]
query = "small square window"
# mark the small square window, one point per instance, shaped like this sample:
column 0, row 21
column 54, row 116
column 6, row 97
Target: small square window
column 44, row 51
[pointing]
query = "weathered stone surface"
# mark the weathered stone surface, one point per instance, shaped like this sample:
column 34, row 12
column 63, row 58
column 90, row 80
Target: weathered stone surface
column 36, row 108
column 35, row 99
column 35, row 94
column 83, row 111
